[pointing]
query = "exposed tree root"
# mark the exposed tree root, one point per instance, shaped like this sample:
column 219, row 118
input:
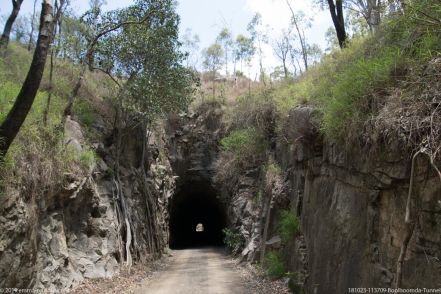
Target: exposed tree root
column 408, row 222
column 123, row 215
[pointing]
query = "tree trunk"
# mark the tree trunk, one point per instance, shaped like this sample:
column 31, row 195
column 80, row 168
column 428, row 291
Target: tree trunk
column 56, row 21
column 49, row 92
column 336, row 10
column 31, row 34
column 17, row 115
column 301, row 36
column 214, row 83
column 4, row 41
column 285, row 69
column 226, row 62
column 373, row 14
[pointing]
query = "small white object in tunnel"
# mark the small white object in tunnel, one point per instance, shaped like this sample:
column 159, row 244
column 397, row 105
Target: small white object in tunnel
column 199, row 228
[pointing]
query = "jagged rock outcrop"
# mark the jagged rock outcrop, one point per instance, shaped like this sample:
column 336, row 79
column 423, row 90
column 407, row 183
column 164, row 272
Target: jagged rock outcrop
column 57, row 240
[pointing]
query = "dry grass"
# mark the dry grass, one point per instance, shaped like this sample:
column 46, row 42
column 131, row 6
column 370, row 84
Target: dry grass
column 226, row 90
column 411, row 113
column 38, row 161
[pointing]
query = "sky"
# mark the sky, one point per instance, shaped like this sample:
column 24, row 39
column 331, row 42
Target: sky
column 207, row 17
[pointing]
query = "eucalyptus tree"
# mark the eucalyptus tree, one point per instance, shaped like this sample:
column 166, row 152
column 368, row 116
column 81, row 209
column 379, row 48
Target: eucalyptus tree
column 148, row 57
column 259, row 36
column 213, row 61
column 145, row 62
column 60, row 6
column 245, row 50
column 336, row 9
column 72, row 38
column 31, row 33
column 281, row 47
column 10, row 127
column 104, row 25
column 213, row 58
column 225, row 39
column 4, row 40
column 370, row 10
column 338, row 19
column 299, row 21
column 20, row 29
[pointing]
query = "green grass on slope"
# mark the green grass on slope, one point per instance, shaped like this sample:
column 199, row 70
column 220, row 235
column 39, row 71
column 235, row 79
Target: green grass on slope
column 348, row 85
column 38, row 158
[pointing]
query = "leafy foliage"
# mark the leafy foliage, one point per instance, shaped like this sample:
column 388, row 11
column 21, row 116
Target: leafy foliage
column 244, row 50
column 242, row 142
column 274, row 169
column 85, row 112
column 288, row 225
column 146, row 59
column 274, row 264
column 87, row 158
column 213, row 57
column 233, row 240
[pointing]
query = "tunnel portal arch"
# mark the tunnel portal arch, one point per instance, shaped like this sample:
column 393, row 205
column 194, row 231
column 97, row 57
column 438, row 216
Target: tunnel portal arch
column 196, row 203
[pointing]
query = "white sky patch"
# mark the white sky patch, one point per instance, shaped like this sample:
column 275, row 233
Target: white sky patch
column 274, row 12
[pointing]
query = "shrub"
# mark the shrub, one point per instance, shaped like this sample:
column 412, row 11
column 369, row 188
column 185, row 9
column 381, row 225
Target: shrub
column 256, row 110
column 274, row 168
column 85, row 112
column 233, row 240
column 241, row 149
column 274, row 264
column 288, row 225
column 243, row 142
column 8, row 93
column 288, row 95
column 295, row 282
column 87, row 158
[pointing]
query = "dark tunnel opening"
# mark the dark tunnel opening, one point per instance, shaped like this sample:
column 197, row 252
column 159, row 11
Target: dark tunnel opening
column 197, row 217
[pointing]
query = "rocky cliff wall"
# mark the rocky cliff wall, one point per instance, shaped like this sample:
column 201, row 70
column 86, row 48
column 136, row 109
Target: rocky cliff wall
column 352, row 205
column 59, row 238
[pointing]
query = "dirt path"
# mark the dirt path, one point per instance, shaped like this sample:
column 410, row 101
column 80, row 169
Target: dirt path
column 195, row 271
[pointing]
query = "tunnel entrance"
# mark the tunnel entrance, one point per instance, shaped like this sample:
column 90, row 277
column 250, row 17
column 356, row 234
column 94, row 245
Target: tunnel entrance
column 197, row 217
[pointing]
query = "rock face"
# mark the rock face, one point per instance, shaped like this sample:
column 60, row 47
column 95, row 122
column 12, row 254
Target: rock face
column 193, row 143
column 352, row 208
column 54, row 242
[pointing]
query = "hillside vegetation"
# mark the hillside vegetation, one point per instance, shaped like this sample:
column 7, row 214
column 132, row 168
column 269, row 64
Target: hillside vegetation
column 383, row 87
column 38, row 158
